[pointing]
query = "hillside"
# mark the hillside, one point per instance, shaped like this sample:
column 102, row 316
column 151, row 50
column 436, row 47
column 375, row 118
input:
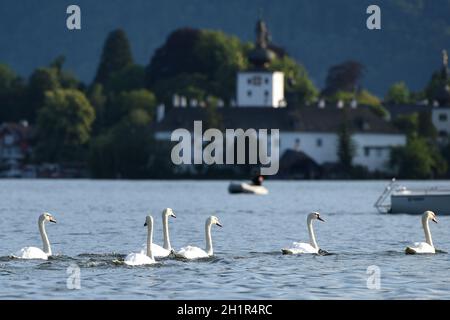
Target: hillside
column 316, row 33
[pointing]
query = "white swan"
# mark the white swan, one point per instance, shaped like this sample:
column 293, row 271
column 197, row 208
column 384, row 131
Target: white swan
column 36, row 253
column 424, row 247
column 312, row 246
column 191, row 252
column 137, row 259
column 157, row 250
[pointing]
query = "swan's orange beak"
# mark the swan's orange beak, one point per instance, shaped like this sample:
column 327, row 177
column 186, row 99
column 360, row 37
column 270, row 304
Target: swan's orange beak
column 434, row 220
column 319, row 218
column 51, row 219
column 218, row 224
column 173, row 215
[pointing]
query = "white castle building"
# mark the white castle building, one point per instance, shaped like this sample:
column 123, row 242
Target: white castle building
column 260, row 87
column 309, row 130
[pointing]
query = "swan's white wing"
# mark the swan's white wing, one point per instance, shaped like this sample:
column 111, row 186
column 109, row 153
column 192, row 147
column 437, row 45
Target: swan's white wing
column 157, row 250
column 300, row 247
column 190, row 252
column 31, row 253
column 420, row 247
column 138, row 259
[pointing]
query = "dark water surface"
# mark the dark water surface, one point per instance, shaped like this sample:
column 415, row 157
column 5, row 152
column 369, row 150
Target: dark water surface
column 102, row 221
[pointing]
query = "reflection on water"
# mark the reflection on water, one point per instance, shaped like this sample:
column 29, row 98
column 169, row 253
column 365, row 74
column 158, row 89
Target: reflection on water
column 99, row 222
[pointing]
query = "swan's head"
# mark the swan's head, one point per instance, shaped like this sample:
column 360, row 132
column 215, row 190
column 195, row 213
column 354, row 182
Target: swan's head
column 315, row 216
column 214, row 220
column 148, row 221
column 168, row 213
column 430, row 215
column 47, row 217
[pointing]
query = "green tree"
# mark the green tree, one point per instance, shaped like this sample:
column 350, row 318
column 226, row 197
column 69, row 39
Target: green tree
column 41, row 80
column 346, row 147
column 123, row 151
column 446, row 155
column 211, row 57
column 417, row 160
column 398, row 94
column 213, row 117
column 131, row 77
column 363, row 97
column 344, row 77
column 63, row 126
column 66, row 79
column 438, row 80
column 299, row 88
column 12, row 95
column 425, row 126
column 98, row 100
column 191, row 86
column 116, row 56
column 127, row 101
column 407, row 123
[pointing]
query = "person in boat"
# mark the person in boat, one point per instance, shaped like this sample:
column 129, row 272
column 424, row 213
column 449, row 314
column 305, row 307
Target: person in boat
column 258, row 180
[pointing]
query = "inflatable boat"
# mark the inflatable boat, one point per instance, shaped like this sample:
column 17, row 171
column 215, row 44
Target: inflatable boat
column 242, row 187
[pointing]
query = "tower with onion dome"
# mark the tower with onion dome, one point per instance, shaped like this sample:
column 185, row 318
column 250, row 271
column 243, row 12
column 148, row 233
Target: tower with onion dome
column 258, row 86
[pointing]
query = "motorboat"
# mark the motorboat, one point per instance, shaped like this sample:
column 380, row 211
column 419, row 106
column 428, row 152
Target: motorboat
column 414, row 200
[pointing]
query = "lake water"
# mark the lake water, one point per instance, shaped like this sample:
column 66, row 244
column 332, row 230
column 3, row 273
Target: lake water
column 102, row 221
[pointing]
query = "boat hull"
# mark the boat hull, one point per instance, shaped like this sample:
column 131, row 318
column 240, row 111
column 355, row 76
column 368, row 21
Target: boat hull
column 418, row 204
column 237, row 187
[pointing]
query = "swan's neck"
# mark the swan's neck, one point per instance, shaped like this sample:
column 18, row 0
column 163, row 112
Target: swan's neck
column 312, row 237
column 209, row 245
column 149, row 241
column 167, row 245
column 45, row 242
column 426, row 229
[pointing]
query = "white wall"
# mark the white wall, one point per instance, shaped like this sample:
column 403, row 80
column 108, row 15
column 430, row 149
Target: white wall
column 308, row 143
column 372, row 150
column 260, row 89
column 441, row 119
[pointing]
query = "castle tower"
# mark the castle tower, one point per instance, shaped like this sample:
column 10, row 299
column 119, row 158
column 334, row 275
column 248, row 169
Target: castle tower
column 258, row 86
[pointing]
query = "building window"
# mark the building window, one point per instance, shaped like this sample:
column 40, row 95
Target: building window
column 443, row 117
column 366, row 151
column 257, row 80
column 319, row 142
column 249, row 93
column 266, row 93
column 379, row 153
column 249, row 81
column 266, row 80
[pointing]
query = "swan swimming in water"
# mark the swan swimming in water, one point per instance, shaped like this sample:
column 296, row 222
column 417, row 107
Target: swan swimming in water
column 157, row 250
column 191, row 252
column 312, row 246
column 36, row 253
column 137, row 259
column 424, row 247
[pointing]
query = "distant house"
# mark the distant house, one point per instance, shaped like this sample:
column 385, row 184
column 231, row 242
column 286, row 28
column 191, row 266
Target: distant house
column 310, row 129
column 441, row 113
column 438, row 107
column 14, row 148
column 441, row 120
